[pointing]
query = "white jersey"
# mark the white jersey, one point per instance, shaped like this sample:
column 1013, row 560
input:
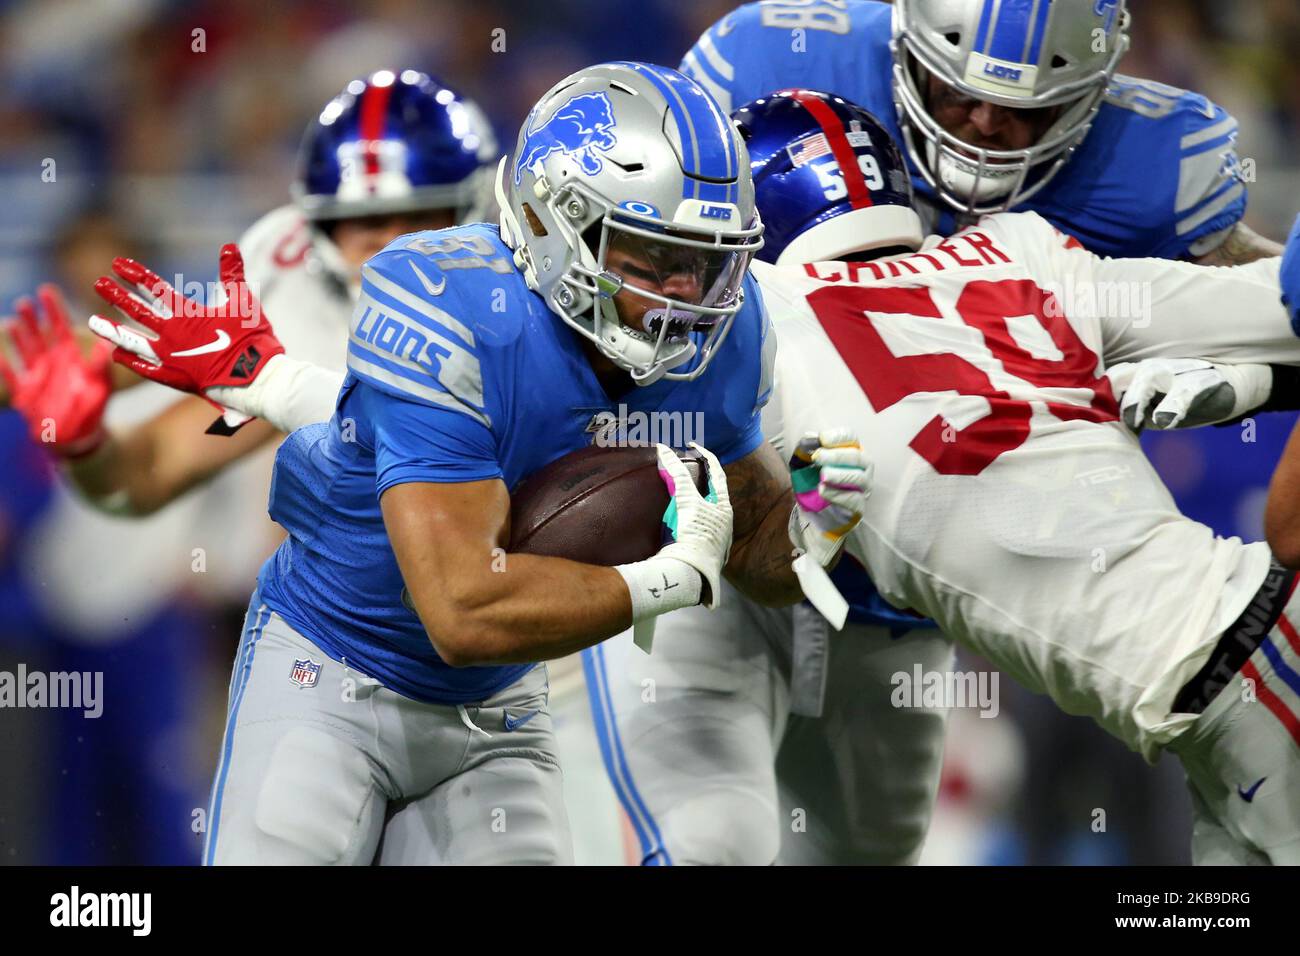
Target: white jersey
column 1009, row 502
column 303, row 286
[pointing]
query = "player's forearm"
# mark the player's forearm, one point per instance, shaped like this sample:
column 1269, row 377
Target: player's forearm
column 140, row 470
column 120, row 476
column 125, row 477
column 761, row 565
column 524, row 608
column 1177, row 310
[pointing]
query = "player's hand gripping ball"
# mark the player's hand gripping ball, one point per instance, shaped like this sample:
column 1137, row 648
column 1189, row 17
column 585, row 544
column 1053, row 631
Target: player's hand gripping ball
column 832, row 481
column 700, row 524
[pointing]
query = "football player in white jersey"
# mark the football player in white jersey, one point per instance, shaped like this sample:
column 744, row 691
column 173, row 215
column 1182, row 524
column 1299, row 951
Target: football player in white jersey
column 392, row 153
column 1011, row 504
column 764, row 730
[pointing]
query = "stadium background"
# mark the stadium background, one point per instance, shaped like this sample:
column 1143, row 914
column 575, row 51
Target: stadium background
column 163, row 151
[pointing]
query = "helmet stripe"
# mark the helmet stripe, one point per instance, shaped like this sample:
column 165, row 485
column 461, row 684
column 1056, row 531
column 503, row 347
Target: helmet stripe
column 1011, row 31
column 982, row 34
column 702, row 125
column 1044, row 11
column 374, row 112
column 685, row 130
column 859, row 194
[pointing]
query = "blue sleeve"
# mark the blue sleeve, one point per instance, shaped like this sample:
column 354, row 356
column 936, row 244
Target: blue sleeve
column 414, row 441
column 763, row 47
column 746, row 379
column 1291, row 276
column 406, row 340
column 1157, row 176
column 1212, row 195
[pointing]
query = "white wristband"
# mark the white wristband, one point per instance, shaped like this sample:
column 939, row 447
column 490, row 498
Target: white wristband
column 659, row 585
column 289, row 394
column 1252, row 385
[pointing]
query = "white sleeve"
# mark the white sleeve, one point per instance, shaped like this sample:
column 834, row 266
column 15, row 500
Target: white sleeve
column 1158, row 308
column 290, row 393
column 1228, row 315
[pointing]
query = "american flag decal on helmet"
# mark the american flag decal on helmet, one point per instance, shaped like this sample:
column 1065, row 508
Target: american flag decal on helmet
column 809, row 148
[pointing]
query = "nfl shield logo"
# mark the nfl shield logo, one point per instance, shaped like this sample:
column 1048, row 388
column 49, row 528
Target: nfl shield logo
column 305, row 673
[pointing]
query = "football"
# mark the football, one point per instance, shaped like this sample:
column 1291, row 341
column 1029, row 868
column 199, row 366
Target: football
column 596, row 505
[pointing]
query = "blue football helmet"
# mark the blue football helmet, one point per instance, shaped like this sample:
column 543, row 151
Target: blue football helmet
column 396, row 143
column 829, row 180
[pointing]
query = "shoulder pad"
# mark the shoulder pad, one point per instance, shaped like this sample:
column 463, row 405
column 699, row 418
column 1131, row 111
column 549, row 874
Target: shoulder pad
column 762, row 47
column 278, row 241
column 1157, row 175
column 435, row 310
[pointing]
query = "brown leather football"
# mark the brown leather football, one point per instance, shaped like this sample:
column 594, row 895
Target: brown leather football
column 597, row 505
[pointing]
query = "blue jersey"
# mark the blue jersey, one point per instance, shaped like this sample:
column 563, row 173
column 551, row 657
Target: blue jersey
column 458, row 372
column 1157, row 175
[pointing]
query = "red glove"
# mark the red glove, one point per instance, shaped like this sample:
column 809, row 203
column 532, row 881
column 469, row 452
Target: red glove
column 59, row 392
column 196, row 346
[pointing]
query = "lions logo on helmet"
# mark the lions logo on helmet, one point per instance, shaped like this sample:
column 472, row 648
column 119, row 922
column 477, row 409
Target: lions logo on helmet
column 634, row 161
column 578, row 128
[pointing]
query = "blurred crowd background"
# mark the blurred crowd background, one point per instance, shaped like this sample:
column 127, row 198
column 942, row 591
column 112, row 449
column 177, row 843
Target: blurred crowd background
column 162, row 128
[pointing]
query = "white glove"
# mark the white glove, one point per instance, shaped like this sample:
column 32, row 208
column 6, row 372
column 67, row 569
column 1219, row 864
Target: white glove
column 832, row 481
column 1184, row 393
column 701, row 530
column 290, row 394
column 701, row 526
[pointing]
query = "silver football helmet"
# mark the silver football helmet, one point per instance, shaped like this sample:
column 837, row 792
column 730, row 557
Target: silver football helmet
column 1023, row 54
column 628, row 177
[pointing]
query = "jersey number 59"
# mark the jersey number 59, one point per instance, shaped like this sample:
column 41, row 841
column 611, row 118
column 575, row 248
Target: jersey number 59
column 847, row 313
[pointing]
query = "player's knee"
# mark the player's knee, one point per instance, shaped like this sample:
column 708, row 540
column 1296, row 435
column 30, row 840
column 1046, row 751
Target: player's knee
column 723, row 828
column 313, row 799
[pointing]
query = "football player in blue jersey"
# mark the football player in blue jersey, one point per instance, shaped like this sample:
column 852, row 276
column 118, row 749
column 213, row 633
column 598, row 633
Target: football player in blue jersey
column 618, row 279
column 1009, row 106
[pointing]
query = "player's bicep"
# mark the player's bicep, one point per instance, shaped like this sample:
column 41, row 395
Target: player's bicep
column 758, row 484
column 1211, row 197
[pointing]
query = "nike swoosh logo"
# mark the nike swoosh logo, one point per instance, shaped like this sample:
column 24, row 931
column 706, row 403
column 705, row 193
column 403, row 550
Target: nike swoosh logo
column 514, row 723
column 219, row 344
column 1249, row 795
column 428, row 283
